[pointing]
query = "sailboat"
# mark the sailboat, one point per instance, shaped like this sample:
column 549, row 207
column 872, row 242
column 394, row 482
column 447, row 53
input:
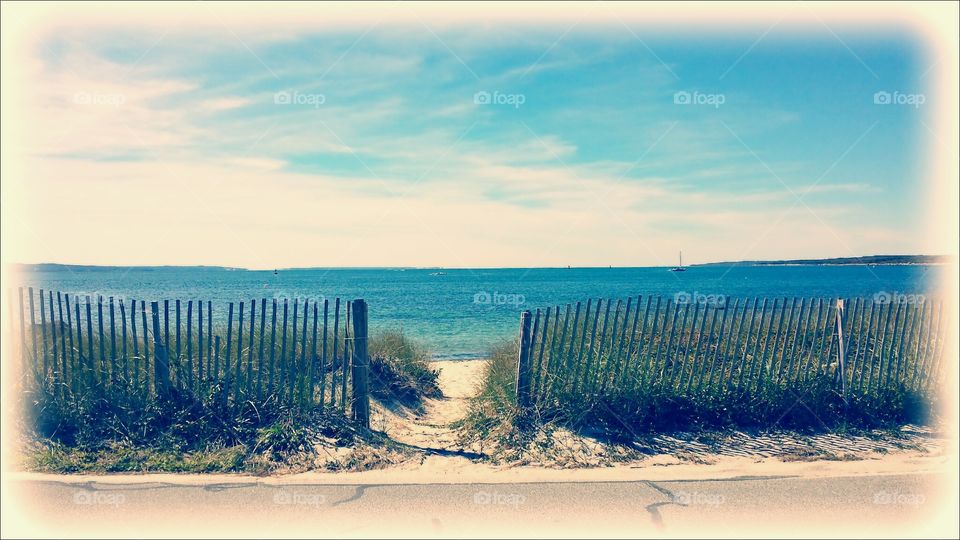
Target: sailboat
column 679, row 268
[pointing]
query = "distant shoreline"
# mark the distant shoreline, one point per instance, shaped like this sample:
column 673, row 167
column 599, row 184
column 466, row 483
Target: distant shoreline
column 870, row 260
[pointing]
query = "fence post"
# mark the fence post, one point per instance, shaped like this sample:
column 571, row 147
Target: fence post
column 360, row 400
column 523, row 362
column 161, row 367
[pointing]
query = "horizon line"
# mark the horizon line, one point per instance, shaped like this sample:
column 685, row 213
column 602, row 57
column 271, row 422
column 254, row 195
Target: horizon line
column 939, row 259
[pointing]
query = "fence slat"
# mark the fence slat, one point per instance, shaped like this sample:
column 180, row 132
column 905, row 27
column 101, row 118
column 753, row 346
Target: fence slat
column 323, row 359
column 248, row 387
column 885, row 373
column 547, row 375
column 82, row 372
column 646, row 367
column 625, row 341
column 726, row 348
column 696, row 365
column 860, row 312
column 602, row 366
column 215, row 374
column 313, row 358
column 200, row 348
column 238, row 371
column 74, row 374
column 672, row 359
column 924, row 309
column 360, row 404
column 161, row 367
column 680, row 372
column 533, row 344
column 699, row 367
column 883, row 318
column 523, row 362
column 928, row 340
column 123, row 342
column 347, row 358
column 57, row 378
column 146, row 344
column 335, row 359
column 593, row 362
column 273, row 347
column 302, row 370
column 573, row 334
column 543, row 341
column 190, row 374
column 905, row 343
column 227, row 356
column 45, row 366
column 263, row 323
column 578, row 366
column 178, row 361
column 933, row 377
column 134, row 374
column 559, row 356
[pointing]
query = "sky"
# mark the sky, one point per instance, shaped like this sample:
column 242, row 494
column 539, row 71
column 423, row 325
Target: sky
column 484, row 145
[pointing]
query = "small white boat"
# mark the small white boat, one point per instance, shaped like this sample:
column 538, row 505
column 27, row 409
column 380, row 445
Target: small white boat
column 679, row 268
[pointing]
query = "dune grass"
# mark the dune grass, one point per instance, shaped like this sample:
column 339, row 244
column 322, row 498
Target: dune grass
column 400, row 369
column 623, row 413
column 99, row 417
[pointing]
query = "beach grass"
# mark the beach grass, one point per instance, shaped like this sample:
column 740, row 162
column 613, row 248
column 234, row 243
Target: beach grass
column 624, row 413
column 400, row 368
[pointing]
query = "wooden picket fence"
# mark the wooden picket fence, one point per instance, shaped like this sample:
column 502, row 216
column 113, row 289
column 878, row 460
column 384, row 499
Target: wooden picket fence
column 722, row 346
column 72, row 347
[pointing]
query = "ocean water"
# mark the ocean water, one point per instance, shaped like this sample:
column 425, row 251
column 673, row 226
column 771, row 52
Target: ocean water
column 459, row 313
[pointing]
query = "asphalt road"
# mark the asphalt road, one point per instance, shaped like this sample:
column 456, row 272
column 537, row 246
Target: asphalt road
column 781, row 506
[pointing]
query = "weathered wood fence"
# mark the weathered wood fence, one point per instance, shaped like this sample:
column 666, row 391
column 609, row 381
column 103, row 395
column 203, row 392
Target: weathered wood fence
column 740, row 345
column 73, row 347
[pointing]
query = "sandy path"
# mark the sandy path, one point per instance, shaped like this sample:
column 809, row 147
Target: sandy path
column 429, row 428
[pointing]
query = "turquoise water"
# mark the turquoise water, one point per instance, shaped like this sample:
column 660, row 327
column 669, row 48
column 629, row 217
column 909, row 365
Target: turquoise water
column 459, row 313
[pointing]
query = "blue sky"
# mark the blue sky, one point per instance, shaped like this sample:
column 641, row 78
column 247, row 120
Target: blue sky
column 386, row 157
